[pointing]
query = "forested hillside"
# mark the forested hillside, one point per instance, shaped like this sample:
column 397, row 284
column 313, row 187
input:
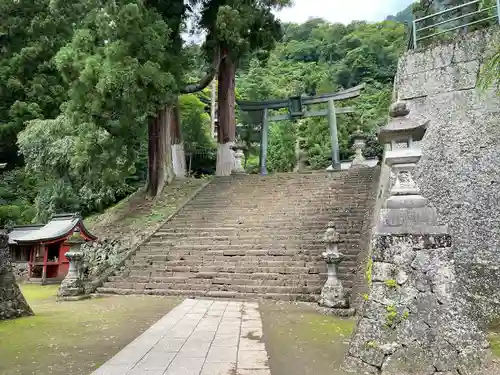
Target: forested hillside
column 78, row 84
column 317, row 57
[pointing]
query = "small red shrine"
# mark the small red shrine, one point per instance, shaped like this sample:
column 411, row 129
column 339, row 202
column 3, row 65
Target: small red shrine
column 43, row 246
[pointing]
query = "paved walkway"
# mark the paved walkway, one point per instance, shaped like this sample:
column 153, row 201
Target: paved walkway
column 198, row 337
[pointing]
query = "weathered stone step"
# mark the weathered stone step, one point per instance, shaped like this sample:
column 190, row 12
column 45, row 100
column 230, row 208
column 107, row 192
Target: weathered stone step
column 202, row 277
column 316, row 282
column 213, row 294
column 226, row 254
column 259, row 289
column 281, row 226
column 203, row 270
column 240, row 249
column 279, row 217
column 165, row 243
column 207, row 199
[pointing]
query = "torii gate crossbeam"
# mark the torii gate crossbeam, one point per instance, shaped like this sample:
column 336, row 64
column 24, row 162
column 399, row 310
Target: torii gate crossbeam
column 295, row 111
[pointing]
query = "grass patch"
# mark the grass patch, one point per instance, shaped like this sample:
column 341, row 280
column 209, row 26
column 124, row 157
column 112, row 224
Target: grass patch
column 34, row 292
column 494, row 339
column 301, row 341
column 74, row 338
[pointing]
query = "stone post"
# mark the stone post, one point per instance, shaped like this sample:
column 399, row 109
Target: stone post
column 12, row 302
column 72, row 287
column 413, row 321
column 359, row 143
column 238, row 160
column 301, row 155
column 332, row 293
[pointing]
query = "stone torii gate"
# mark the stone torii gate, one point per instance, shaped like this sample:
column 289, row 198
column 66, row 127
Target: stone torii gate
column 296, row 105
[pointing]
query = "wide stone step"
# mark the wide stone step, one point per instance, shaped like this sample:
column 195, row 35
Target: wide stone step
column 277, row 217
column 312, row 282
column 240, row 249
column 259, row 289
column 163, row 243
column 263, row 227
column 262, row 200
column 203, row 270
column 202, row 277
column 232, row 254
column 180, row 232
column 213, row 294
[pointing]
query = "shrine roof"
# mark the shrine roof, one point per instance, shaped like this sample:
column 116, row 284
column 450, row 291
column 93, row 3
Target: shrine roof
column 21, row 231
column 58, row 227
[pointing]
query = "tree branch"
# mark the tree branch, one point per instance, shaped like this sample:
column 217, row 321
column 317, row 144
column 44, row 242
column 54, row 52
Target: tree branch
column 205, row 81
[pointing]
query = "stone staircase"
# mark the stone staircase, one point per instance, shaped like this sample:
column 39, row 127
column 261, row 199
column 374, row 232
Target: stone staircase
column 253, row 236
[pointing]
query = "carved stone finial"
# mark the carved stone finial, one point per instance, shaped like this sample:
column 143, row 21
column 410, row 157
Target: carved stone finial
column 331, row 235
column 399, row 109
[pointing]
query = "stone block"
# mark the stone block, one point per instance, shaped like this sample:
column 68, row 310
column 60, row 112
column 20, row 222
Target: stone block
column 112, row 370
column 252, row 359
column 222, row 354
column 218, row 368
column 185, row 366
column 225, row 340
column 156, row 359
column 168, row 345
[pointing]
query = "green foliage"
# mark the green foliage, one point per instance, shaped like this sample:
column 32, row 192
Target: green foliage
column 118, row 68
column 240, row 26
column 368, row 274
column 317, row 57
column 490, row 73
column 372, row 344
column 17, row 194
column 391, row 284
column 391, row 316
column 195, row 122
column 281, row 151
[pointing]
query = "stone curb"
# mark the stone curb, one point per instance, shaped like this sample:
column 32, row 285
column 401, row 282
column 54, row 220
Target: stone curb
column 103, row 278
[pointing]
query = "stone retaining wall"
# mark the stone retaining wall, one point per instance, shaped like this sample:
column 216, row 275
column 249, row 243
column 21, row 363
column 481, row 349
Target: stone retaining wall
column 461, row 155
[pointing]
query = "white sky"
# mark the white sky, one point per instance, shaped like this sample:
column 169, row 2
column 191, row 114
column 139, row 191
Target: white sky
column 343, row 11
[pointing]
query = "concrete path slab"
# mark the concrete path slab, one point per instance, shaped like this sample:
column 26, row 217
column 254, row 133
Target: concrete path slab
column 198, row 337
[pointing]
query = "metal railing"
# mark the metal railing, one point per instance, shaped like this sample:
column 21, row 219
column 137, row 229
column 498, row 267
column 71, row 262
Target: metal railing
column 481, row 14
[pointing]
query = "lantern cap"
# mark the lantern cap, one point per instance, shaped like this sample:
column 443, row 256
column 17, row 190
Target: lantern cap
column 358, row 134
column 400, row 126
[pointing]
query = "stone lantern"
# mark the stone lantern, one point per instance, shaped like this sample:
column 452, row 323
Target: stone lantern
column 72, row 287
column 402, row 155
column 358, row 144
column 239, row 156
column 332, row 293
column 415, row 320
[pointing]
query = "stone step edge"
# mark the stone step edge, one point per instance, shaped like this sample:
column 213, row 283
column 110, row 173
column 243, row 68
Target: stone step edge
column 213, row 294
column 110, row 272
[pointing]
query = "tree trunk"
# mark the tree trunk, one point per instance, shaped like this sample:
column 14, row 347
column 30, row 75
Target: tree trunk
column 178, row 155
column 226, row 118
column 160, row 171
